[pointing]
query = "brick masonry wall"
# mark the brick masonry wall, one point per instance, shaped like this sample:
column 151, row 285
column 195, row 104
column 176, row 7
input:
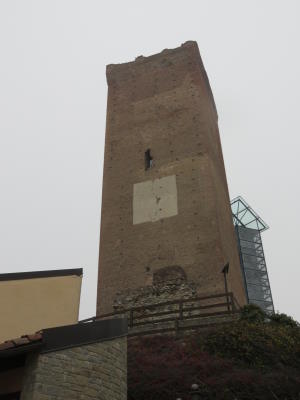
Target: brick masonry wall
column 94, row 371
column 164, row 103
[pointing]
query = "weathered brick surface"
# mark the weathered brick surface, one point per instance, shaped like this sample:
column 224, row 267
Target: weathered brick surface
column 155, row 299
column 163, row 289
column 94, row 371
column 164, row 103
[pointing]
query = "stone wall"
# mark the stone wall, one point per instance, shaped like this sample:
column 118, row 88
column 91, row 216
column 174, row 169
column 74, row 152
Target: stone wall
column 94, row 371
column 168, row 284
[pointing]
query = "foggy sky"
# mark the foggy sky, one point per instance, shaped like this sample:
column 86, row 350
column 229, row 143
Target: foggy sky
column 52, row 120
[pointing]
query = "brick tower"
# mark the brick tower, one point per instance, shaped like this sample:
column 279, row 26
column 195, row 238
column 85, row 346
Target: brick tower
column 165, row 202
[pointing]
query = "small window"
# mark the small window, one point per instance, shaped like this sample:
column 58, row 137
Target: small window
column 148, row 160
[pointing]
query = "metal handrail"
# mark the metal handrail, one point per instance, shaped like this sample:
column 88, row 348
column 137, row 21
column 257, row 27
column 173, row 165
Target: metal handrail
column 231, row 303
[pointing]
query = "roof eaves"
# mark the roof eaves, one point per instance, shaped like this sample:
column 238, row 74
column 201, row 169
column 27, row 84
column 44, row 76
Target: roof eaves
column 41, row 274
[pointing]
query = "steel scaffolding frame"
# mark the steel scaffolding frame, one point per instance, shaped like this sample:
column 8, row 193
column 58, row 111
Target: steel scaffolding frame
column 248, row 227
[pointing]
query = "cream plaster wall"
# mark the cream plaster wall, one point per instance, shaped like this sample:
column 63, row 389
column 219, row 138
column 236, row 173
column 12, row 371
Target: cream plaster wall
column 28, row 305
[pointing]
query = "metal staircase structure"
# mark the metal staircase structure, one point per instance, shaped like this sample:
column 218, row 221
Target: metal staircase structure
column 248, row 227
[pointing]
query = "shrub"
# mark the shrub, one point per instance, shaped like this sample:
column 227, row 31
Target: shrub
column 283, row 320
column 164, row 368
column 245, row 360
column 252, row 313
column 257, row 345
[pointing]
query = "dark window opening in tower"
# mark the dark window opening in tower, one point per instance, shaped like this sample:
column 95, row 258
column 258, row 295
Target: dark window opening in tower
column 148, row 160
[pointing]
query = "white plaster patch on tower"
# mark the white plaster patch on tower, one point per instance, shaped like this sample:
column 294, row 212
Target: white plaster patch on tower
column 154, row 200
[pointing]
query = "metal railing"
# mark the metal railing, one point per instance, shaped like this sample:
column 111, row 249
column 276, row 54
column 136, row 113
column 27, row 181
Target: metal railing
column 158, row 318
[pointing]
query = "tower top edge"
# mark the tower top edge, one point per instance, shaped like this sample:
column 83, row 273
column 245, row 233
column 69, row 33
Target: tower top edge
column 190, row 44
column 186, row 56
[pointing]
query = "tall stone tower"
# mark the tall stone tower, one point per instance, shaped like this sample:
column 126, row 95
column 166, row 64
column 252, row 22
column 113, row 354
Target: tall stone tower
column 165, row 202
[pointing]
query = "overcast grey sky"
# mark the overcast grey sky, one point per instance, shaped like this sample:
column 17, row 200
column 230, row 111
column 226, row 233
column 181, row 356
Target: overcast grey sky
column 52, row 120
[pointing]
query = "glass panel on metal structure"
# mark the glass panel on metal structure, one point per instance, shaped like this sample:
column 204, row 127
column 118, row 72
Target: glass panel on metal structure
column 248, row 227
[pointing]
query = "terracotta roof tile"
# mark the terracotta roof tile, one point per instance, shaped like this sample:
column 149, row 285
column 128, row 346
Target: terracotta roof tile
column 21, row 341
column 6, row 345
column 35, row 337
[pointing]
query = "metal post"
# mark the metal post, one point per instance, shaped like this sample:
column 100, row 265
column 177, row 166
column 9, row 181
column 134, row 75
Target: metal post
column 225, row 272
column 233, row 307
column 131, row 319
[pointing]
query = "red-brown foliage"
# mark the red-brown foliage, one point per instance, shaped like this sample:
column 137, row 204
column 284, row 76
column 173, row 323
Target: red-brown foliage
column 163, row 368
